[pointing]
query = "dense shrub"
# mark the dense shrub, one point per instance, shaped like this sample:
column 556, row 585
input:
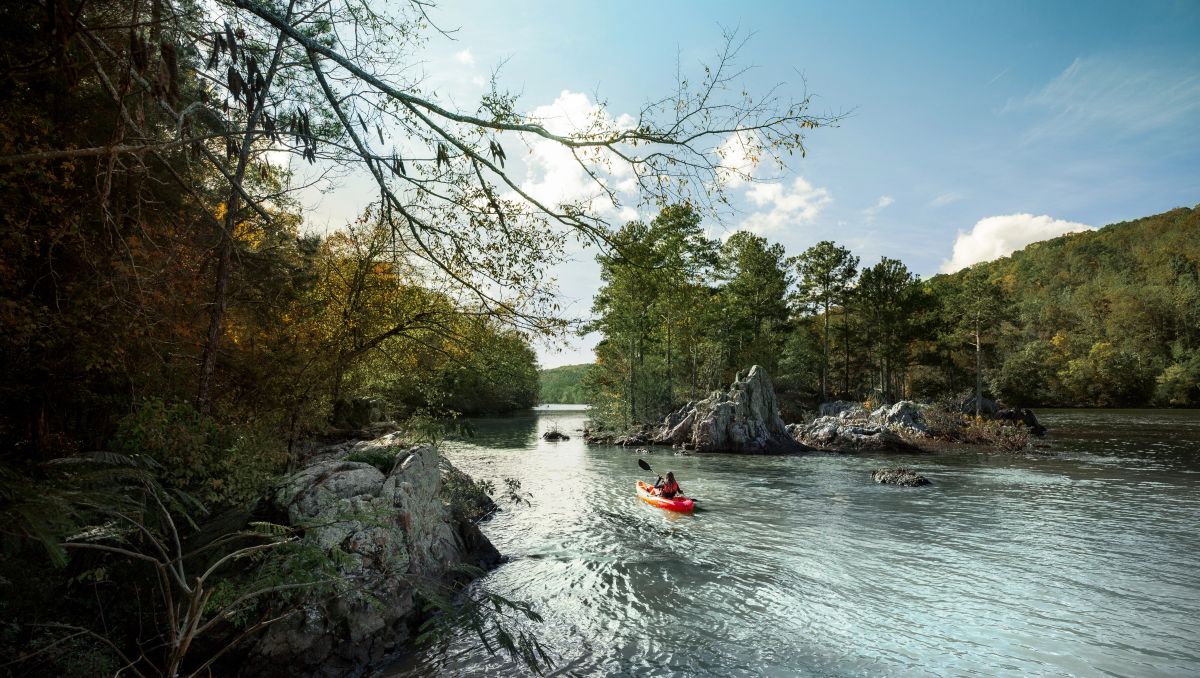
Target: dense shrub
column 218, row 465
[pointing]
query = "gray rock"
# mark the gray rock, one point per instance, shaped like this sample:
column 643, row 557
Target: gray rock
column 839, row 435
column 744, row 419
column 898, row 475
column 396, row 531
column 905, row 415
column 838, row 407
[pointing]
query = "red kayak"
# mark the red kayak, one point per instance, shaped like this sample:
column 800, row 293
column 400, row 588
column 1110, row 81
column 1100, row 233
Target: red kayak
column 648, row 494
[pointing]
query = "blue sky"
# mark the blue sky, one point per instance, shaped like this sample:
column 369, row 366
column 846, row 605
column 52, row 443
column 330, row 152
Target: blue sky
column 990, row 124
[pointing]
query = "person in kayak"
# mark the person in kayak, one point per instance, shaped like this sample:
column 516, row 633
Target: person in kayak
column 667, row 488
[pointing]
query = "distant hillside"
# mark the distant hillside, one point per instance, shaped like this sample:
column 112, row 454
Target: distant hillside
column 1106, row 317
column 562, row 385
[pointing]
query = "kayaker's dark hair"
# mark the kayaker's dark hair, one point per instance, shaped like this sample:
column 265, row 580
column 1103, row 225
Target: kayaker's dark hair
column 671, row 476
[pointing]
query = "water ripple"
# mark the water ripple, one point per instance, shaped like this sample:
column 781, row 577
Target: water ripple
column 1083, row 562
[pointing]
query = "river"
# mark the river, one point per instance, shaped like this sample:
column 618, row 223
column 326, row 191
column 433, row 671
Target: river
column 1080, row 560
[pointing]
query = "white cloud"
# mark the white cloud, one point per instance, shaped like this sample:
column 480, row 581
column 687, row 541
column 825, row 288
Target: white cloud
column 465, row 57
column 1000, row 236
column 946, row 198
column 739, row 157
column 785, row 206
column 1118, row 96
column 553, row 175
column 879, row 206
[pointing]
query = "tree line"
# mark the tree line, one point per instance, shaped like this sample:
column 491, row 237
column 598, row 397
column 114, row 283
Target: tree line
column 1104, row 318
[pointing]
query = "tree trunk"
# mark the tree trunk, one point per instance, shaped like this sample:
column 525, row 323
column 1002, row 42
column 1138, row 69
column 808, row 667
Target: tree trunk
column 632, row 396
column 846, row 327
column 216, row 317
column 978, row 373
column 670, row 376
column 825, row 357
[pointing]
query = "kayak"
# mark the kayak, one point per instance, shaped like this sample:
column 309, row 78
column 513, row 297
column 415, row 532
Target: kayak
column 648, row 494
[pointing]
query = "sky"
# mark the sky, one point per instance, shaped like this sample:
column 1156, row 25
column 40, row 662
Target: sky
column 971, row 128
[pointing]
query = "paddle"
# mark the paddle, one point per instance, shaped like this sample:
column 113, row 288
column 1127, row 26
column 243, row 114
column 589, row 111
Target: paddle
column 646, row 467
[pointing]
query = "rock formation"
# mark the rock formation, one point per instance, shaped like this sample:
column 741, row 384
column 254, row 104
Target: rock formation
column 397, row 530
column 898, row 475
column 848, row 427
column 743, row 419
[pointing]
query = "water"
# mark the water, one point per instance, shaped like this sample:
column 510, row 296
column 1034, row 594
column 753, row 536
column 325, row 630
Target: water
column 1082, row 560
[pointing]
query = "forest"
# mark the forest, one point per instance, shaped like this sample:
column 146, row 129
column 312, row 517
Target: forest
column 1103, row 318
column 562, row 385
column 178, row 332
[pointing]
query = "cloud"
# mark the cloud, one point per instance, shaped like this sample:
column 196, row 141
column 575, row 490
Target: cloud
column 1118, row 96
column 784, row 205
column 1000, row 236
column 553, row 175
column 739, row 157
column 465, row 57
column 879, row 206
column 946, row 198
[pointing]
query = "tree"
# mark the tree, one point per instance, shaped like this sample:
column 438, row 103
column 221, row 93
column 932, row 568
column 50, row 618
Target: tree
column 757, row 279
column 240, row 82
column 976, row 310
column 826, row 274
column 651, row 309
column 887, row 297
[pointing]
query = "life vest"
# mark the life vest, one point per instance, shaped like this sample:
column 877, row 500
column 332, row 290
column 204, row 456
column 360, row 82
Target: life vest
column 670, row 487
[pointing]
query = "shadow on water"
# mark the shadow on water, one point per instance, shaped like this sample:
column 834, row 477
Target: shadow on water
column 1077, row 562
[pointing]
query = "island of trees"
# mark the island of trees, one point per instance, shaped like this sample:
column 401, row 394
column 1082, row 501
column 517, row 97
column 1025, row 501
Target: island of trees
column 1100, row 318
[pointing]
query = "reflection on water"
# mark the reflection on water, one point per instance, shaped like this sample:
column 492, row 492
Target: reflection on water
column 1082, row 561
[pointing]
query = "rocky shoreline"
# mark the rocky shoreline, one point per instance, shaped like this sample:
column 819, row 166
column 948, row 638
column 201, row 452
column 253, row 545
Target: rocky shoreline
column 745, row 419
column 394, row 534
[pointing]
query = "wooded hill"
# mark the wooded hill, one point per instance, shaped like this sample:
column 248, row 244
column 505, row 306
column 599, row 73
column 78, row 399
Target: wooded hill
column 1101, row 318
column 562, row 385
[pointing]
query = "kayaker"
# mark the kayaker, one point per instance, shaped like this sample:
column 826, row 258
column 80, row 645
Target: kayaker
column 667, row 488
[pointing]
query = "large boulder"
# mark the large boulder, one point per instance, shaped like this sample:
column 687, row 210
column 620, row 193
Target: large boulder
column 743, row 419
column 393, row 531
column 906, row 416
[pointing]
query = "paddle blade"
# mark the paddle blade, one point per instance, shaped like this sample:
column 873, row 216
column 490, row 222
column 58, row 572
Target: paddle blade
column 645, row 466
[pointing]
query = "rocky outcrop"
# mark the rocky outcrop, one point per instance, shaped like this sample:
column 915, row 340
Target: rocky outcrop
column 636, row 437
column 555, row 436
column 392, row 532
column 905, row 416
column 898, row 475
column 839, row 408
column 744, row 419
column 1022, row 415
column 840, row 435
column 847, row 427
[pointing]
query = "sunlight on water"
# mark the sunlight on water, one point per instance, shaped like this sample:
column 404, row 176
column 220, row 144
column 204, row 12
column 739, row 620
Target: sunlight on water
column 1078, row 562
